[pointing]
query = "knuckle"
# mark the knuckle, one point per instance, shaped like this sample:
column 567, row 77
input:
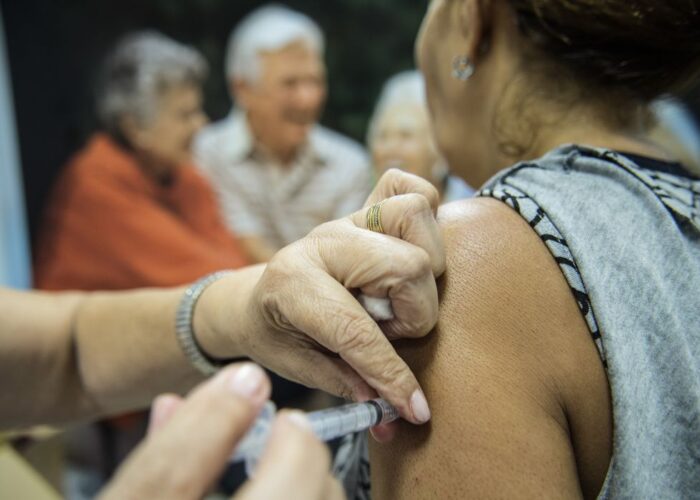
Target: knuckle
column 394, row 370
column 322, row 230
column 355, row 333
column 328, row 231
column 417, row 264
column 426, row 323
column 345, row 392
column 348, row 389
column 417, row 203
column 393, row 176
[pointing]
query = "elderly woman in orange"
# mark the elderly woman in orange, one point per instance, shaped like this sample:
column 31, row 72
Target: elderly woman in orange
column 128, row 211
column 399, row 136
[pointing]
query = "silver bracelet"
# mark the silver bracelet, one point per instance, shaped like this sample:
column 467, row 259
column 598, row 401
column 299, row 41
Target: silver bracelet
column 185, row 332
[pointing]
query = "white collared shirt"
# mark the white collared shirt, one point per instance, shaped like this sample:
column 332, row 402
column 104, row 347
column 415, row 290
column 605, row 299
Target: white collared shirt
column 330, row 178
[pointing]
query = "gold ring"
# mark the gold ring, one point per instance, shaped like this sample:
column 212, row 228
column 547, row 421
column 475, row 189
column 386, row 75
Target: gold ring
column 374, row 218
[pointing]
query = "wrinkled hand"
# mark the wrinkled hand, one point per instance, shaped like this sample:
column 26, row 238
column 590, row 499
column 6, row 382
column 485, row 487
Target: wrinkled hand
column 310, row 327
column 190, row 441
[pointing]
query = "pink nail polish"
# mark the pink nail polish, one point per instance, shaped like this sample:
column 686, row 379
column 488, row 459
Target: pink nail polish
column 419, row 406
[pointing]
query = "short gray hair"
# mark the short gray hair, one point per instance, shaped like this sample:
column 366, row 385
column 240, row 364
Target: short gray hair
column 140, row 68
column 405, row 88
column 269, row 28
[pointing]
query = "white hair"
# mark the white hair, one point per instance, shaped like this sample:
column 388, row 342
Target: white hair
column 267, row 29
column 141, row 67
column 404, row 89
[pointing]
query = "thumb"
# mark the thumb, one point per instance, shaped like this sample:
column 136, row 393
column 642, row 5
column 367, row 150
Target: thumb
column 185, row 457
column 294, row 463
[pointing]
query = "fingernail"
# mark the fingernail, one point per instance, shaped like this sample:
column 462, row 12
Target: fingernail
column 299, row 419
column 247, row 380
column 419, row 406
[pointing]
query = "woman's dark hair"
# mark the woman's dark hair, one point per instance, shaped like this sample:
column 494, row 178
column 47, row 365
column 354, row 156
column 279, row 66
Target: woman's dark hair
column 645, row 47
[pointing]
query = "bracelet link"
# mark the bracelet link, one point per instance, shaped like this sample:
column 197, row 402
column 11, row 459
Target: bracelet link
column 184, row 330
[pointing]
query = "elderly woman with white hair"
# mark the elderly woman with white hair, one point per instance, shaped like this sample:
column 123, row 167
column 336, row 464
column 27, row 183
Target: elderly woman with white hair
column 130, row 197
column 399, row 136
column 129, row 211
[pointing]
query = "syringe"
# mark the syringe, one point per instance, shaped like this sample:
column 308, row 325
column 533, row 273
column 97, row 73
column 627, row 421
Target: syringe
column 326, row 425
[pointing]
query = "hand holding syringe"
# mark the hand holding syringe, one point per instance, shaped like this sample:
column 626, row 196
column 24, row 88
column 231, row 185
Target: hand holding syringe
column 325, row 424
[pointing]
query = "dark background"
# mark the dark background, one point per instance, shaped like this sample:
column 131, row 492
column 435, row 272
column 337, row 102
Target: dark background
column 55, row 47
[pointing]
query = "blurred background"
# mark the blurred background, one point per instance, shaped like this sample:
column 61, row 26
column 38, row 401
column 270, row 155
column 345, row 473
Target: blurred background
column 55, row 46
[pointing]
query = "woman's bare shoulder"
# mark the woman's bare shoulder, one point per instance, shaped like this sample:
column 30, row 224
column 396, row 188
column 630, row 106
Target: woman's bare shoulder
column 512, row 376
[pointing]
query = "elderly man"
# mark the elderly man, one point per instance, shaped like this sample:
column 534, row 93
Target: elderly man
column 278, row 173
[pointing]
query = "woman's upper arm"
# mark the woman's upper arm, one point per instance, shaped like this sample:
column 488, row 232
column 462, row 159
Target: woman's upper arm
column 517, row 391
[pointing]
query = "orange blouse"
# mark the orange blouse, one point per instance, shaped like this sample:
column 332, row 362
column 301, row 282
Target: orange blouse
column 110, row 226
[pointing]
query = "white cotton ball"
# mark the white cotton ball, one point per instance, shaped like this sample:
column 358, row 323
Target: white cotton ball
column 379, row 308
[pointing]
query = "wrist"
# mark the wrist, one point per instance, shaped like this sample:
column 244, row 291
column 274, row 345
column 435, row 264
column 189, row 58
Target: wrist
column 222, row 322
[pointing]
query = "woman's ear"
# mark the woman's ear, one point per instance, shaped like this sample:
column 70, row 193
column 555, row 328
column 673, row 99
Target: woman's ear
column 475, row 19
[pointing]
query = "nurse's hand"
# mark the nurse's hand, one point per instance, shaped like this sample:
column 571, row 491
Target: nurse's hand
column 190, row 441
column 309, row 326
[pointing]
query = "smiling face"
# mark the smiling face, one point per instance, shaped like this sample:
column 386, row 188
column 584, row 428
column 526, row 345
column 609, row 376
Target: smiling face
column 286, row 101
column 402, row 140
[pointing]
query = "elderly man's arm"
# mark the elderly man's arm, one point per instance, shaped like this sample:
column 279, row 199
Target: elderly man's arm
column 519, row 395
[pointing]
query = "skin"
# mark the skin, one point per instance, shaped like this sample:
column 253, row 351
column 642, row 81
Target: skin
column 164, row 142
column 91, row 354
column 285, row 102
column 281, row 106
column 294, row 460
column 520, row 398
column 102, row 353
column 403, row 140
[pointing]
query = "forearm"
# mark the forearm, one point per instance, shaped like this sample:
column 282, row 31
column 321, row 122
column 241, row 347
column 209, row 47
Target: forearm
column 75, row 356
column 126, row 350
column 137, row 329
